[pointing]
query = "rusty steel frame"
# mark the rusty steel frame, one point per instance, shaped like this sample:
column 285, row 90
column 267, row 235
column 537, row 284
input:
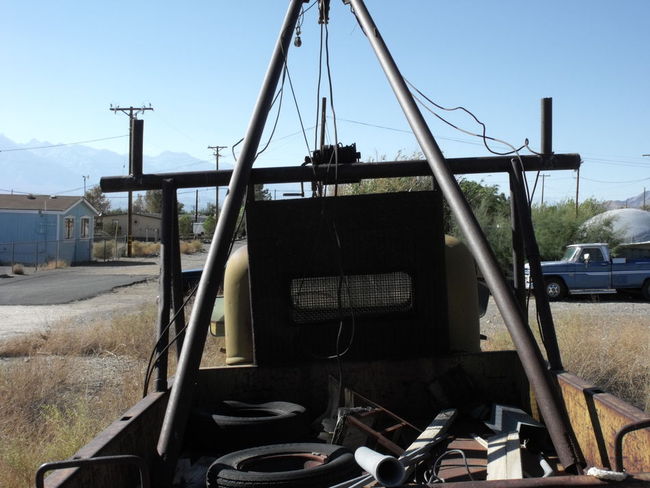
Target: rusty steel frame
column 522, row 337
column 182, row 391
column 137, row 461
column 243, row 175
column 346, row 173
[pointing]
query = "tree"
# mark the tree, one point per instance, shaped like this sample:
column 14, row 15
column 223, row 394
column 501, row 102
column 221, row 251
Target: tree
column 138, row 205
column 262, row 193
column 557, row 225
column 98, row 200
column 209, row 209
column 153, row 201
column 185, row 225
column 492, row 211
column 209, row 225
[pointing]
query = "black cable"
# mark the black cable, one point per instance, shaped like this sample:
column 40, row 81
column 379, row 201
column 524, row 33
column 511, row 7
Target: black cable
column 152, row 363
column 280, row 93
column 331, row 92
column 484, row 135
column 232, row 148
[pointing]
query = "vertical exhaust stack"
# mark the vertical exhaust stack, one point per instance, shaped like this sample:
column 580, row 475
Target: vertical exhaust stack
column 547, row 126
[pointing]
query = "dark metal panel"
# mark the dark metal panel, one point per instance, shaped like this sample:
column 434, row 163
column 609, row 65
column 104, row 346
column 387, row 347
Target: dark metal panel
column 400, row 385
column 293, row 239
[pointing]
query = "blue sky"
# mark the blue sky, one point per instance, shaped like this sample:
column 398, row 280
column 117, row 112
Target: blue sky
column 200, row 65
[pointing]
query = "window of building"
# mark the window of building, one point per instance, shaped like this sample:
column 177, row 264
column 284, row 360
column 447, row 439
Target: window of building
column 69, row 227
column 85, row 227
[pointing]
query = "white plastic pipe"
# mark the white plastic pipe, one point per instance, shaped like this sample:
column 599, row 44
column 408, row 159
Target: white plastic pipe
column 385, row 469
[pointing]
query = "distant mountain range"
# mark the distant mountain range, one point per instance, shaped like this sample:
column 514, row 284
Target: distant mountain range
column 632, row 202
column 60, row 170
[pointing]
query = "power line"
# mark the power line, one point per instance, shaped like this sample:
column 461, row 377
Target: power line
column 62, row 144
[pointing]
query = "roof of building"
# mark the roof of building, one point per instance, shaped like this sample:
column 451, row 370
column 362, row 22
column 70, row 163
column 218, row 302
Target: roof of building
column 39, row 202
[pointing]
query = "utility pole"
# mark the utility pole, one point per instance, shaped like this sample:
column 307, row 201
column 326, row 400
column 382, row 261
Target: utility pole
column 543, row 177
column 196, row 207
column 216, row 153
column 136, row 128
column 85, row 177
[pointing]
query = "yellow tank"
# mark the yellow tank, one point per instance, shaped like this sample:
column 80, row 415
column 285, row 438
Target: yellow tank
column 462, row 297
column 464, row 325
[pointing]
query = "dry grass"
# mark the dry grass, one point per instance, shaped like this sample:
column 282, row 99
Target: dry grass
column 60, row 388
column 612, row 353
column 145, row 249
column 55, row 264
column 18, row 269
column 107, row 250
column 191, row 247
column 46, row 416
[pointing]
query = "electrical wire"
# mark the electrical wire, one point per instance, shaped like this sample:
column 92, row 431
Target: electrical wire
column 483, row 136
column 331, row 93
column 280, row 94
column 151, row 364
column 433, row 477
column 62, row 144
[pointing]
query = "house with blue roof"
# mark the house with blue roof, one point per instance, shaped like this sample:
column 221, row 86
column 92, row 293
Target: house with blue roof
column 36, row 229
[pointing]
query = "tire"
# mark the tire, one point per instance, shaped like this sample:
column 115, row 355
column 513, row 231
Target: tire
column 283, row 466
column 645, row 290
column 555, row 289
column 231, row 425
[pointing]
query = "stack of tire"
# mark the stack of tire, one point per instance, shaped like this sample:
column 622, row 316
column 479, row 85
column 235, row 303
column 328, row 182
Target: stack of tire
column 264, row 435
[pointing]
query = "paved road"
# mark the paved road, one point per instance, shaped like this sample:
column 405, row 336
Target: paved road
column 60, row 286
column 78, row 295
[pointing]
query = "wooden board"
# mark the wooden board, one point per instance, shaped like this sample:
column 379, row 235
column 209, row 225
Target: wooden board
column 504, row 457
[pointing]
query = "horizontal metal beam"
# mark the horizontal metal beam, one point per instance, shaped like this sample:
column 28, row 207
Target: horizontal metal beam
column 346, row 173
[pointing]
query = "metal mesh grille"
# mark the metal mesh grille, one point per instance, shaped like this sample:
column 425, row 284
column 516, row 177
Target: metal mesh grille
column 317, row 299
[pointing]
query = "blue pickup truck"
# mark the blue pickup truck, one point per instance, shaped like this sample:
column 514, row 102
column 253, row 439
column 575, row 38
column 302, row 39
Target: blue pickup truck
column 590, row 268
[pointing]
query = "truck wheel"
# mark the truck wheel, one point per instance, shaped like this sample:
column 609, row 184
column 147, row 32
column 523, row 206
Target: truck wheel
column 555, row 289
column 645, row 290
column 236, row 425
column 283, row 466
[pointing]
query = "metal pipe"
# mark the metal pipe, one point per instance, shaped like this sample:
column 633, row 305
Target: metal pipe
column 618, row 440
column 177, row 282
column 547, row 126
column 522, row 337
column 535, row 263
column 518, row 256
column 138, row 462
column 164, row 285
column 177, row 413
column 346, row 172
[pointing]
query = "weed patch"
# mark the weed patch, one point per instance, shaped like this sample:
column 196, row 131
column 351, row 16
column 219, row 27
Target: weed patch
column 611, row 355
